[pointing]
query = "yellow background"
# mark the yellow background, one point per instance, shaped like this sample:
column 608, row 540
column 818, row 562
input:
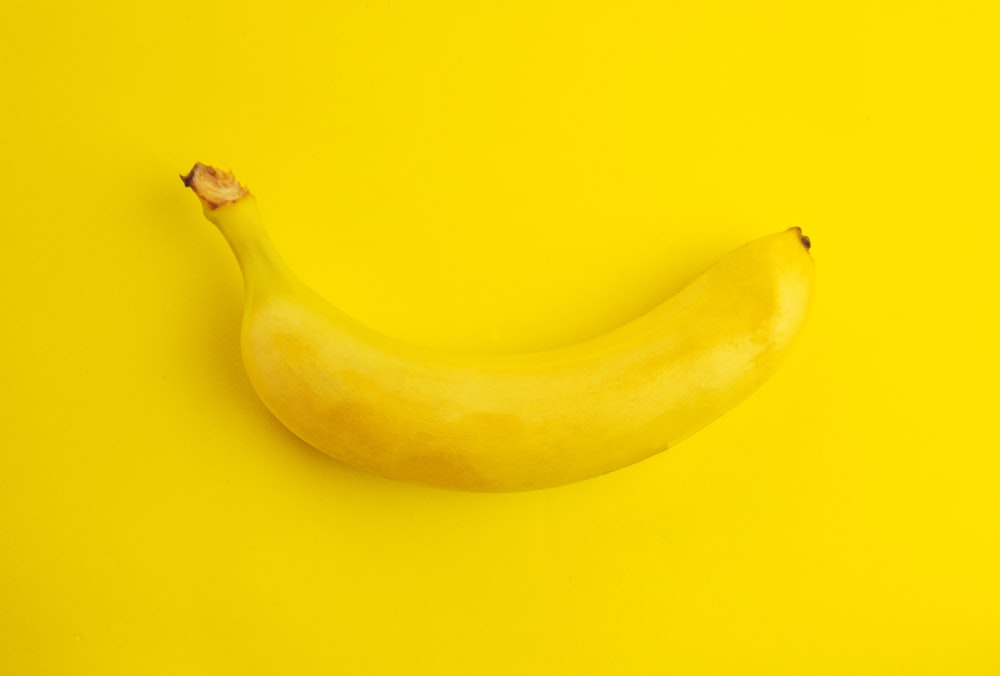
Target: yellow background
column 500, row 176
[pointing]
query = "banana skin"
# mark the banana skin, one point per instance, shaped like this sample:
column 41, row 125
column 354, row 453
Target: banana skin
column 508, row 422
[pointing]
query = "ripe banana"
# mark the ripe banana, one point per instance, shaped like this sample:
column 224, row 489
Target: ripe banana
column 508, row 422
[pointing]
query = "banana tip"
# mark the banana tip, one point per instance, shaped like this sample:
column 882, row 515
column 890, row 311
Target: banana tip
column 214, row 187
column 806, row 242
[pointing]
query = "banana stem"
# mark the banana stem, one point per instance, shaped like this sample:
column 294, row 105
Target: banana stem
column 214, row 187
column 233, row 209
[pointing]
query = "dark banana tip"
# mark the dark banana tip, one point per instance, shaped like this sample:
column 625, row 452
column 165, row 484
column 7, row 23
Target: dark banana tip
column 806, row 242
column 214, row 186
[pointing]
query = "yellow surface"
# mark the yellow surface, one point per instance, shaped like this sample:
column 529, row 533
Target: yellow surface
column 498, row 175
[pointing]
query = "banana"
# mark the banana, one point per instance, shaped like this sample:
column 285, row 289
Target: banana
column 508, row 422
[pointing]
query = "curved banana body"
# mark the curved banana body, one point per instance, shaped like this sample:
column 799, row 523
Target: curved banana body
column 509, row 422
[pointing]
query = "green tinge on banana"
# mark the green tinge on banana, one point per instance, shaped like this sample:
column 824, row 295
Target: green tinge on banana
column 510, row 422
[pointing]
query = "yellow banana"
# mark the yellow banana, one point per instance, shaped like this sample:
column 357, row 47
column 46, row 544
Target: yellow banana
column 508, row 422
